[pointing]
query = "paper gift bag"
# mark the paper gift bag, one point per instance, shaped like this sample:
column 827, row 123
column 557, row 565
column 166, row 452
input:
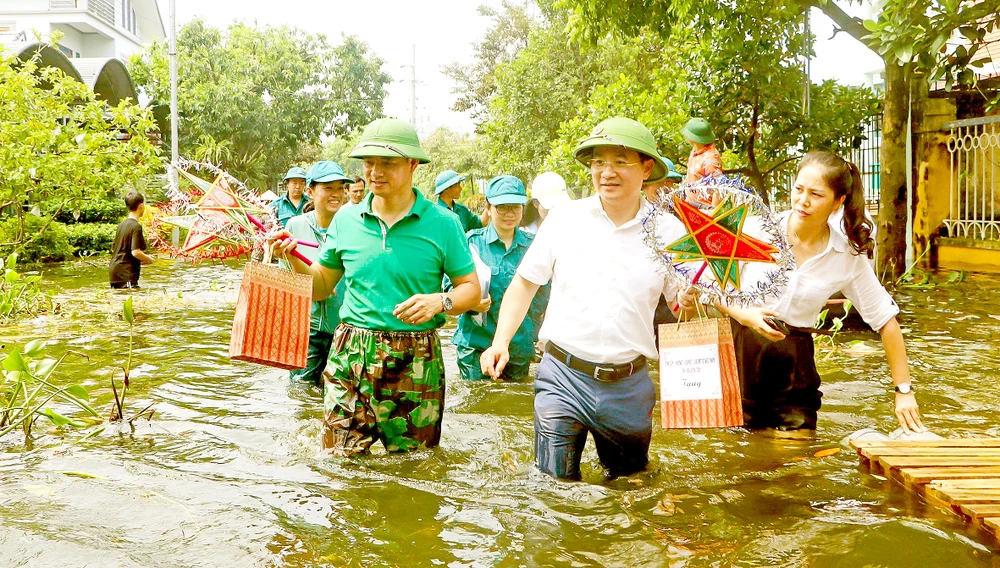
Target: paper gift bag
column 271, row 325
column 699, row 380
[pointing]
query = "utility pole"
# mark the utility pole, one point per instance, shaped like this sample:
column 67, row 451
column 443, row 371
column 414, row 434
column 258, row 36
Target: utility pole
column 172, row 54
column 413, row 88
column 806, row 67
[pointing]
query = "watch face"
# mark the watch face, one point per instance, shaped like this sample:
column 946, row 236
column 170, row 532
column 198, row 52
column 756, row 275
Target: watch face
column 903, row 388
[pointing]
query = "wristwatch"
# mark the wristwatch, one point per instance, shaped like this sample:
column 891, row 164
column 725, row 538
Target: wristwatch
column 446, row 303
column 904, row 388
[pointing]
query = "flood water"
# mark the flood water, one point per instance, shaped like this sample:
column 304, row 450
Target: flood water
column 229, row 473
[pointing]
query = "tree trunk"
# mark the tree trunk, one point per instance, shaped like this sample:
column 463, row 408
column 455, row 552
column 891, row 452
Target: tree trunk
column 756, row 177
column 891, row 241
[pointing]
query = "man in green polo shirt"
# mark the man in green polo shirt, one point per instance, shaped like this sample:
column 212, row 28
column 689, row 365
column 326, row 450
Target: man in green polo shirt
column 392, row 250
column 293, row 202
column 448, row 188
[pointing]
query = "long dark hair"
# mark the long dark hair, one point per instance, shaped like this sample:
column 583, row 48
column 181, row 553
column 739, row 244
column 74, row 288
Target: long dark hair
column 844, row 179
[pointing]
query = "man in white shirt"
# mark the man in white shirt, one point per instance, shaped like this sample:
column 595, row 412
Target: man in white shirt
column 598, row 328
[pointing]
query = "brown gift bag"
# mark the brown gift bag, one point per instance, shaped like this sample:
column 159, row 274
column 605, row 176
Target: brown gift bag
column 271, row 325
column 699, row 380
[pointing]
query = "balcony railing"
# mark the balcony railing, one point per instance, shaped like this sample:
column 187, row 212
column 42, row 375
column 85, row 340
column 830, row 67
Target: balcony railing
column 103, row 10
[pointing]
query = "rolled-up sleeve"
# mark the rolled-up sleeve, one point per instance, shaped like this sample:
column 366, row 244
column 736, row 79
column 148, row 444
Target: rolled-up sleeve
column 868, row 295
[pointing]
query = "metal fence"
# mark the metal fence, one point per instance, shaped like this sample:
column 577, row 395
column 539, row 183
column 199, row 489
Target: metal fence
column 865, row 154
column 974, row 147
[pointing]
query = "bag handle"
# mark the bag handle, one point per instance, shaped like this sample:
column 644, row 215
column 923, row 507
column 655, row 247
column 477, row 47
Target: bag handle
column 268, row 252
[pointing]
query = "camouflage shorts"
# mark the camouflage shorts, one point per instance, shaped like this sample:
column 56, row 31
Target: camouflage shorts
column 384, row 385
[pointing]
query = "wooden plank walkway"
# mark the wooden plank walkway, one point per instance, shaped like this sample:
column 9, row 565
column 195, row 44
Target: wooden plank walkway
column 961, row 476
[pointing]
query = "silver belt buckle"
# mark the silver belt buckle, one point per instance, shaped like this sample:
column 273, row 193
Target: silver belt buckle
column 597, row 372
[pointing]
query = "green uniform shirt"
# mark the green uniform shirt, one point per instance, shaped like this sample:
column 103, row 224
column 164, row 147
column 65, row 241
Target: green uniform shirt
column 284, row 210
column 503, row 264
column 325, row 314
column 383, row 266
column 469, row 219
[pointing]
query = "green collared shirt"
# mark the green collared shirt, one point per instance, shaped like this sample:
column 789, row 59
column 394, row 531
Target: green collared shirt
column 383, row 266
column 284, row 210
column 469, row 219
column 325, row 314
column 503, row 263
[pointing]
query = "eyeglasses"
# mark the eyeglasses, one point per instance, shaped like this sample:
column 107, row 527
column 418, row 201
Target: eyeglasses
column 616, row 165
column 508, row 209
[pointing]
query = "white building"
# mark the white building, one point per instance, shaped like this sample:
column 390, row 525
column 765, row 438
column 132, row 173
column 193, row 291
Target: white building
column 90, row 28
column 97, row 38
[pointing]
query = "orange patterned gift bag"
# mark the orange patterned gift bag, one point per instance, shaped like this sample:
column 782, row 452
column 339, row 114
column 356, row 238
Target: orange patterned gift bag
column 271, row 325
column 699, row 380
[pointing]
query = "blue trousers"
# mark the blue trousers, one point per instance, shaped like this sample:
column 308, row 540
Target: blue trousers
column 568, row 404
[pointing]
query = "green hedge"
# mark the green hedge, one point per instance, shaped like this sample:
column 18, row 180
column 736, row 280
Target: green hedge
column 88, row 211
column 91, row 238
column 52, row 245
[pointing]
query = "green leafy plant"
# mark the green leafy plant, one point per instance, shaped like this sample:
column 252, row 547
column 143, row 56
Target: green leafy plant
column 91, row 238
column 20, row 295
column 118, row 410
column 26, row 391
column 35, row 239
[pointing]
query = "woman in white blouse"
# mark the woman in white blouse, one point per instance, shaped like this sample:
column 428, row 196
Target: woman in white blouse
column 778, row 370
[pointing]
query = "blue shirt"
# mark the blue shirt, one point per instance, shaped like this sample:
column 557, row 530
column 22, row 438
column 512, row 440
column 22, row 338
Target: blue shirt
column 503, row 263
column 284, row 210
column 325, row 314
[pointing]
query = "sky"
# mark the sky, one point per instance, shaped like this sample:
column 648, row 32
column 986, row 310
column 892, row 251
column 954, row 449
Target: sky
column 444, row 31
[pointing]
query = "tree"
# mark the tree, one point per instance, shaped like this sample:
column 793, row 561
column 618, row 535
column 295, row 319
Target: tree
column 907, row 33
column 557, row 89
column 254, row 98
column 59, row 143
column 450, row 150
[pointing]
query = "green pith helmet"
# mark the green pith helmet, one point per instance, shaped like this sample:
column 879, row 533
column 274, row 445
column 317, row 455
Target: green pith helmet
column 295, row 172
column 698, row 129
column 624, row 132
column 389, row 138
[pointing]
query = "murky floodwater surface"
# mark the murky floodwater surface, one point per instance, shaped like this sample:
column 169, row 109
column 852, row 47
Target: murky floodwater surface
column 228, row 473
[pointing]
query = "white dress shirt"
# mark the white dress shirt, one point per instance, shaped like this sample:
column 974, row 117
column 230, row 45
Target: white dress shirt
column 837, row 269
column 605, row 281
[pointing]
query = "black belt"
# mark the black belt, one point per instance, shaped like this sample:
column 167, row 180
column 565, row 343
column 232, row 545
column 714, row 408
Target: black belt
column 605, row 373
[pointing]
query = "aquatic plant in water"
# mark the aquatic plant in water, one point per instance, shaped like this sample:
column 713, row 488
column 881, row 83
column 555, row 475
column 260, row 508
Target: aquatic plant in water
column 20, row 295
column 26, row 391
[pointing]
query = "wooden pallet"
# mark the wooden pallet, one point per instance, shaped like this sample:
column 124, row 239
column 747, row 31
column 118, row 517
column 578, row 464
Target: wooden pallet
column 961, row 476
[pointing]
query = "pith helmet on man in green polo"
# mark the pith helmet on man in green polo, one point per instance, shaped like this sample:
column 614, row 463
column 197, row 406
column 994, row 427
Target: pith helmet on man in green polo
column 627, row 133
column 390, row 138
column 698, row 129
column 295, row 172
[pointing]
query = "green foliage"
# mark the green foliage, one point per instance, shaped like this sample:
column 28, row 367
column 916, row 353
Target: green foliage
column 35, row 239
column 93, row 210
column 254, row 99
column 59, row 144
column 91, row 238
column 737, row 64
column 450, row 150
column 944, row 39
column 20, row 295
column 26, row 391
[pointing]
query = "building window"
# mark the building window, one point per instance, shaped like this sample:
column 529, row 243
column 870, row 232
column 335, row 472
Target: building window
column 128, row 16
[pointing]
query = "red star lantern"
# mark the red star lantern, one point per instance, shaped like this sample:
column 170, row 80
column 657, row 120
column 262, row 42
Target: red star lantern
column 718, row 240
